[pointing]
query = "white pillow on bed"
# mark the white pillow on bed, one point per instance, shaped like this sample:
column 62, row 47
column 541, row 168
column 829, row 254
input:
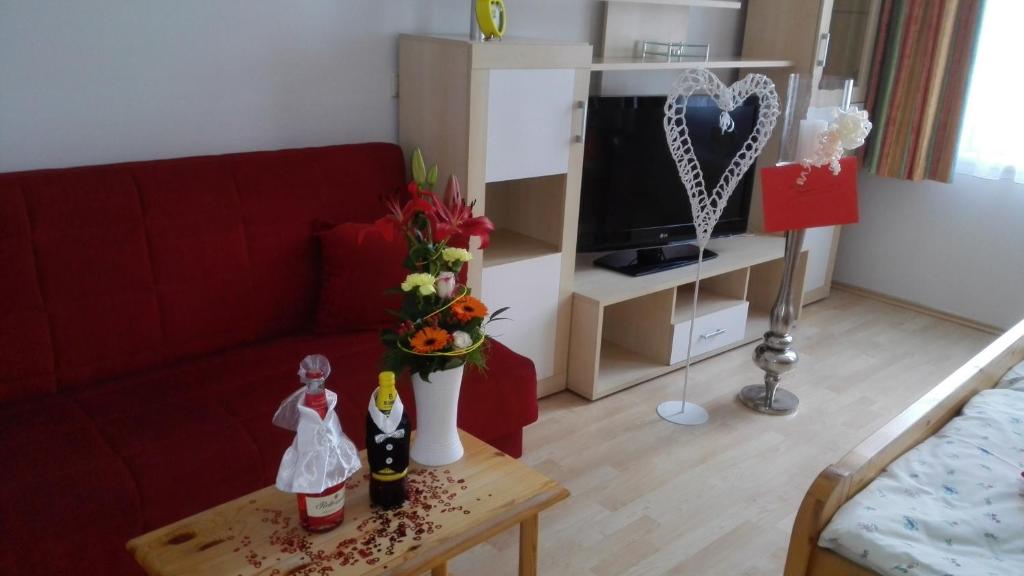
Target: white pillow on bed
column 1014, row 379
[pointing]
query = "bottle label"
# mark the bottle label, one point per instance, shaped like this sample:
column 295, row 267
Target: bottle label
column 322, row 506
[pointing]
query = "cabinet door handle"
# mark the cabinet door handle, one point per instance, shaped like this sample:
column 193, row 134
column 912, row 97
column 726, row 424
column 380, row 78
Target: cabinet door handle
column 713, row 333
column 581, row 135
column 823, row 48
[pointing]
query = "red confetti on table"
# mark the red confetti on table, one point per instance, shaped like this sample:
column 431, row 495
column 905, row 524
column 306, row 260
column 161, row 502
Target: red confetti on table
column 428, row 491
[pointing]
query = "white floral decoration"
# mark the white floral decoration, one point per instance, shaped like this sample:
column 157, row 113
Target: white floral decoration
column 846, row 130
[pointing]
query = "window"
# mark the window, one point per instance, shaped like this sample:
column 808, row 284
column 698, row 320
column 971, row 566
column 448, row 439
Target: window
column 992, row 140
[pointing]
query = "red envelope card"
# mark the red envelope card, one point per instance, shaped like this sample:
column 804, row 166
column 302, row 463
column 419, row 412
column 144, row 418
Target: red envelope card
column 824, row 199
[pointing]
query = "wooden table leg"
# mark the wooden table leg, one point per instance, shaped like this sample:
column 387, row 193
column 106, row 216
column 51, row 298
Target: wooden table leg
column 441, row 570
column 529, row 529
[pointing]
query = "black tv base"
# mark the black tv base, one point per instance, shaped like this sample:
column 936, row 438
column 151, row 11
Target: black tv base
column 650, row 260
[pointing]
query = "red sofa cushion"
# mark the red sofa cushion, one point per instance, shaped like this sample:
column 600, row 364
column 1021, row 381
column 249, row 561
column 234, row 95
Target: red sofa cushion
column 359, row 267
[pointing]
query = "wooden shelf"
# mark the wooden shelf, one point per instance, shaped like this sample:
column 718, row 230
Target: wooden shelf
column 638, row 65
column 726, row 4
column 736, row 252
column 508, row 246
column 622, row 368
column 708, row 302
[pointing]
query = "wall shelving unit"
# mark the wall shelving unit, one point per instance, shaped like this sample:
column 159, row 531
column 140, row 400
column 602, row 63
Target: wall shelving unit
column 820, row 37
column 505, row 117
column 508, row 118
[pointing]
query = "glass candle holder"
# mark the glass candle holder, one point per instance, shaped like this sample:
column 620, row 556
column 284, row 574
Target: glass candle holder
column 807, row 112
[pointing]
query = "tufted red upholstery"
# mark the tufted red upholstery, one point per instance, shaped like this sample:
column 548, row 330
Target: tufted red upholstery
column 137, row 265
column 151, row 319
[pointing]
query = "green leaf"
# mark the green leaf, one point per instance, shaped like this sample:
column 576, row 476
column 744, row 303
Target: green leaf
column 398, row 314
column 432, row 176
column 494, row 315
column 419, row 169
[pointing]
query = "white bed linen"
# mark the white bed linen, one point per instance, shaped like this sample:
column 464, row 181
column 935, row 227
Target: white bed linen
column 953, row 505
column 1014, row 379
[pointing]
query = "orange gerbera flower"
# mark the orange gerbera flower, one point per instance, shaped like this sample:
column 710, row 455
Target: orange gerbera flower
column 430, row 340
column 467, row 308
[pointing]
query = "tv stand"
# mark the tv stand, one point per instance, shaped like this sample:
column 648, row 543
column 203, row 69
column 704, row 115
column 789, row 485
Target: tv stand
column 629, row 330
column 650, row 260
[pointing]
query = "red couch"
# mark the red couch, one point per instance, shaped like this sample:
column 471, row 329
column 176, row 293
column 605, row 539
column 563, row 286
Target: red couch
column 152, row 317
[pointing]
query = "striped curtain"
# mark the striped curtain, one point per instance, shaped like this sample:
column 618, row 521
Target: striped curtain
column 918, row 87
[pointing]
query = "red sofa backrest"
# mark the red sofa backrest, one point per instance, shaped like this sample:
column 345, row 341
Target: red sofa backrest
column 107, row 270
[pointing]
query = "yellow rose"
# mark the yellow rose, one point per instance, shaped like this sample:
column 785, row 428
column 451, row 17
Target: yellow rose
column 419, row 280
column 453, row 255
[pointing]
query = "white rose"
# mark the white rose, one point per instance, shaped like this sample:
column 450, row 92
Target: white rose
column 461, row 340
column 853, row 127
column 445, row 284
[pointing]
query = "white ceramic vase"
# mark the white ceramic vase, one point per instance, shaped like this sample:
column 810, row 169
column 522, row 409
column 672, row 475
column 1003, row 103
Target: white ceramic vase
column 437, row 409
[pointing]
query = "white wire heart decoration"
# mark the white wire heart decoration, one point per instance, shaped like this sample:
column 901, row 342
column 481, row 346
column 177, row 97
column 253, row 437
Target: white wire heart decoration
column 707, row 207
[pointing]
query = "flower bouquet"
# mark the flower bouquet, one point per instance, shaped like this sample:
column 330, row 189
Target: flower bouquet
column 441, row 326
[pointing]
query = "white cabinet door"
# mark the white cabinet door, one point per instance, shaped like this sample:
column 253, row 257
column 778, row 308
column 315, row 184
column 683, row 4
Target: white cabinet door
column 530, row 289
column 529, row 123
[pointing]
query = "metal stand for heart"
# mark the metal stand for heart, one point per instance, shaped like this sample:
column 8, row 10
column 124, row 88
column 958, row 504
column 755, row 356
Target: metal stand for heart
column 707, row 207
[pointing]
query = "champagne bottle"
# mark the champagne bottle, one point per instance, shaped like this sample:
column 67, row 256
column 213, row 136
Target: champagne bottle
column 387, row 444
column 319, row 512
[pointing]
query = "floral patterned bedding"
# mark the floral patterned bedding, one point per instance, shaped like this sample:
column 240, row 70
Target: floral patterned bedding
column 953, row 505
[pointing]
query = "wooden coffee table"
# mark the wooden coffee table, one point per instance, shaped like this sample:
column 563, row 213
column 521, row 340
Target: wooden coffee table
column 450, row 509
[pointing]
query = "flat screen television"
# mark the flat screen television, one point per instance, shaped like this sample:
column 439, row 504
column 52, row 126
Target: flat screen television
column 632, row 200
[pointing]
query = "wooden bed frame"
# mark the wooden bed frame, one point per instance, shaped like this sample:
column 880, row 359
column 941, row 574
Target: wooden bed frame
column 844, row 479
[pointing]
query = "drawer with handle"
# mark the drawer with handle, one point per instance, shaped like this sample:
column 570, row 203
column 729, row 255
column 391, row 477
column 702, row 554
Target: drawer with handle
column 710, row 331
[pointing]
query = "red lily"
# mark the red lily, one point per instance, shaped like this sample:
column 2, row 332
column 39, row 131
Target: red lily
column 455, row 220
column 400, row 217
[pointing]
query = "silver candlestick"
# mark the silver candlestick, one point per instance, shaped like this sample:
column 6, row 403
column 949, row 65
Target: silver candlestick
column 775, row 355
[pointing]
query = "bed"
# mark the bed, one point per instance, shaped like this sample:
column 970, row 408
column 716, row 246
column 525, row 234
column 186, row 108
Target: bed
column 839, row 514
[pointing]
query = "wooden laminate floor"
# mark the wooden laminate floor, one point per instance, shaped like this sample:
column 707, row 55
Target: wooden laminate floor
column 649, row 497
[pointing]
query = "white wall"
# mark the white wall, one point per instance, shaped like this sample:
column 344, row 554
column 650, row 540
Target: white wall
column 958, row 247
column 95, row 81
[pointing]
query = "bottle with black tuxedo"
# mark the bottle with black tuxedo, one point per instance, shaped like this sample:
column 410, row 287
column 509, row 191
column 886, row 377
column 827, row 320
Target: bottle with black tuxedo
column 387, row 444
